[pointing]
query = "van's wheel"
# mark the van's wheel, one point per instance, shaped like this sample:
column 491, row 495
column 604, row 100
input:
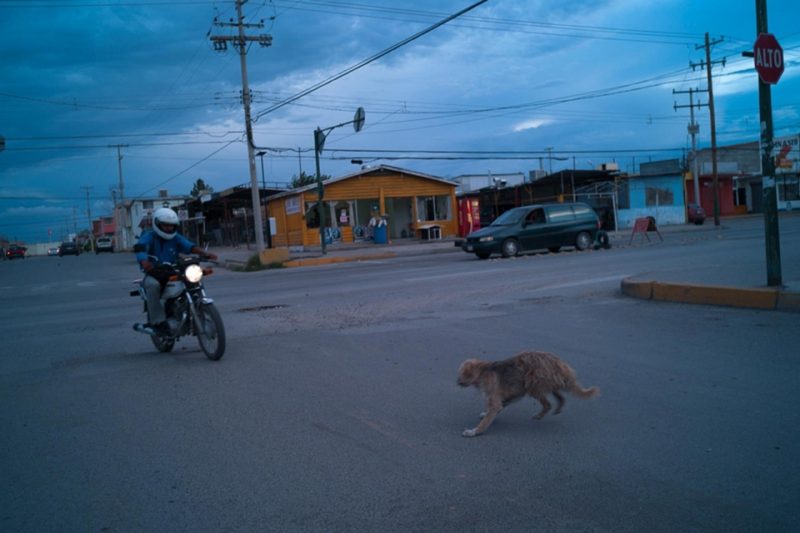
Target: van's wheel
column 583, row 241
column 510, row 248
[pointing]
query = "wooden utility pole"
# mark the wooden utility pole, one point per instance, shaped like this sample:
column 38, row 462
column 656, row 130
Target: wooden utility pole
column 694, row 129
column 89, row 215
column 708, row 64
column 770, row 199
column 121, row 221
column 241, row 42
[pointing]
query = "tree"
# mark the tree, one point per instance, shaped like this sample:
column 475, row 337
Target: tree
column 200, row 188
column 305, row 179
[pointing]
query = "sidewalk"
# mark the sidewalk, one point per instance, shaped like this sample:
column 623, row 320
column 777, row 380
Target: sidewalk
column 731, row 287
column 728, row 287
column 342, row 252
column 367, row 250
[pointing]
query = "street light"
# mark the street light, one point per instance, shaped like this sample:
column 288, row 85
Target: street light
column 319, row 143
column 261, row 155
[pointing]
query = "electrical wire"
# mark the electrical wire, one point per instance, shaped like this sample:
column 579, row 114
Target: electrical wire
column 366, row 61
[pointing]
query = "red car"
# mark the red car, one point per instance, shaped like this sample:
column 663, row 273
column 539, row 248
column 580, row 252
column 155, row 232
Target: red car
column 15, row 252
column 695, row 214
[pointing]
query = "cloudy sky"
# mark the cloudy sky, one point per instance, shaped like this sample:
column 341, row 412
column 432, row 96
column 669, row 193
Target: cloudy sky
column 511, row 86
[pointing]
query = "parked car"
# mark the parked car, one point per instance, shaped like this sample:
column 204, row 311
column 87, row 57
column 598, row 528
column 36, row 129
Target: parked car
column 534, row 227
column 695, row 214
column 104, row 244
column 15, row 252
column 52, row 251
column 68, row 248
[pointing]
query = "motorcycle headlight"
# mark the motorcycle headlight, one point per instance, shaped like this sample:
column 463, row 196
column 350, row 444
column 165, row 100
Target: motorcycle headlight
column 194, row 273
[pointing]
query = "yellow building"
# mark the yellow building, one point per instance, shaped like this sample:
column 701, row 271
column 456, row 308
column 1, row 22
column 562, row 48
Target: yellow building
column 371, row 203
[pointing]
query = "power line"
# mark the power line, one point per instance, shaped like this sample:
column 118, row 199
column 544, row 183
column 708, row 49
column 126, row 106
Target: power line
column 367, row 61
column 90, row 146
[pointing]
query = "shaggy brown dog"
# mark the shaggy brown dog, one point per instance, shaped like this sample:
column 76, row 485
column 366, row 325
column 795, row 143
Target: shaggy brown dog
column 534, row 373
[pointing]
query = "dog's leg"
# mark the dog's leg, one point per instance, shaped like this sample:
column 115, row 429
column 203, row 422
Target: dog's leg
column 506, row 403
column 560, row 400
column 545, row 405
column 492, row 408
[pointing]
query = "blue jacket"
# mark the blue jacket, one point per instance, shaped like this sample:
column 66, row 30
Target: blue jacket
column 166, row 251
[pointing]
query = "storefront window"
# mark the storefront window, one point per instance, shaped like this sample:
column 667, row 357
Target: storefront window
column 788, row 188
column 433, row 207
column 312, row 215
column 655, row 196
column 342, row 211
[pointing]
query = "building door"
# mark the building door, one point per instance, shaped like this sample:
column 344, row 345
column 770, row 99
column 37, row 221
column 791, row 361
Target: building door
column 399, row 211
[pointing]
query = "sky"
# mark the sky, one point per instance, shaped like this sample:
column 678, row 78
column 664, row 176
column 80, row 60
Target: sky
column 510, row 86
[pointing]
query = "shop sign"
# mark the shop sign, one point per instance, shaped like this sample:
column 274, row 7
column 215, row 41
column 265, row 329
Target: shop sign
column 786, row 151
column 292, row 205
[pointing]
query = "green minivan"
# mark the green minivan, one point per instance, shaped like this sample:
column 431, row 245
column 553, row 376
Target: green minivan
column 535, row 227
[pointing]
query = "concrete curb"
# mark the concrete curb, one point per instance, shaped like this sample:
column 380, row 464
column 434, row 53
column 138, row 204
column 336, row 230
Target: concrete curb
column 772, row 299
column 315, row 261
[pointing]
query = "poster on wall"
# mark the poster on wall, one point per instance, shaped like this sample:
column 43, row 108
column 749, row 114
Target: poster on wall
column 292, row 205
column 786, row 152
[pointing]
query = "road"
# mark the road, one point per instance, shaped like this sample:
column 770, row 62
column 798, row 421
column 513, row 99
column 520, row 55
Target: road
column 335, row 407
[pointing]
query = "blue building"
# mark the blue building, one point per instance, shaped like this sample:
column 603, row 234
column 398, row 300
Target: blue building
column 658, row 192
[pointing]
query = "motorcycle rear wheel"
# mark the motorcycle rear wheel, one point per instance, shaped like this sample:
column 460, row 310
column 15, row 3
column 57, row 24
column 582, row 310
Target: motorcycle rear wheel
column 163, row 344
column 210, row 332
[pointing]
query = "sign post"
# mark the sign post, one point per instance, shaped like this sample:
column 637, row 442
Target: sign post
column 768, row 56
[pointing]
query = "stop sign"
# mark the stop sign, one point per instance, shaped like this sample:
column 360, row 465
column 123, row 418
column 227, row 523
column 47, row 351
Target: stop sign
column 768, row 58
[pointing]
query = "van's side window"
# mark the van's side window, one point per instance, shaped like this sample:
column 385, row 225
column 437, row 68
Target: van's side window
column 535, row 217
column 561, row 213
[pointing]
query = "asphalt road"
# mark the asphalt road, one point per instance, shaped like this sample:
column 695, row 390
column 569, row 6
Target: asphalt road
column 335, row 407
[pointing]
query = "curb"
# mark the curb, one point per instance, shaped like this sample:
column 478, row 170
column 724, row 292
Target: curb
column 771, row 299
column 315, row 261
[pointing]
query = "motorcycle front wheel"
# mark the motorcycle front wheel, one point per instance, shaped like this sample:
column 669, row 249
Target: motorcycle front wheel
column 210, row 332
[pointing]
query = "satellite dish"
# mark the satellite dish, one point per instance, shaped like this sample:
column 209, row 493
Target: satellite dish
column 358, row 120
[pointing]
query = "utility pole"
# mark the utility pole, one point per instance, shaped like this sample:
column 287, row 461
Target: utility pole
column 122, row 219
column 693, row 129
column 240, row 42
column 770, row 199
column 708, row 65
column 89, row 214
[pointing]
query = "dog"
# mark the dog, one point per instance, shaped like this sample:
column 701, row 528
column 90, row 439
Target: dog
column 536, row 374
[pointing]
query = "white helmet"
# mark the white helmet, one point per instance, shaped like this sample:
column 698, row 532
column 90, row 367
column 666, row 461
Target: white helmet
column 165, row 216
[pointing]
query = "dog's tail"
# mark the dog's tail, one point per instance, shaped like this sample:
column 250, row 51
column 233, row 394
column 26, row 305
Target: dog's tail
column 580, row 392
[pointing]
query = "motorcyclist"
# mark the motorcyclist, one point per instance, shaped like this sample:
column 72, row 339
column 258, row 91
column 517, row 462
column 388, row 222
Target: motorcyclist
column 162, row 245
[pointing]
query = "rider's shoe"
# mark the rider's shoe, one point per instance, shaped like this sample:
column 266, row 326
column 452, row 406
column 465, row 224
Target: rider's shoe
column 144, row 328
column 162, row 329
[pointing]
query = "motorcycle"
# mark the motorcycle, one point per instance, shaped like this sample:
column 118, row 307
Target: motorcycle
column 189, row 311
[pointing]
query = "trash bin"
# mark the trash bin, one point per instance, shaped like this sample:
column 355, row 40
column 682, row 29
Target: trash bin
column 380, row 235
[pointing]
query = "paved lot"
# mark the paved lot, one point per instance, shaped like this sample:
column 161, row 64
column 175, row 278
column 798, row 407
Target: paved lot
column 336, row 407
